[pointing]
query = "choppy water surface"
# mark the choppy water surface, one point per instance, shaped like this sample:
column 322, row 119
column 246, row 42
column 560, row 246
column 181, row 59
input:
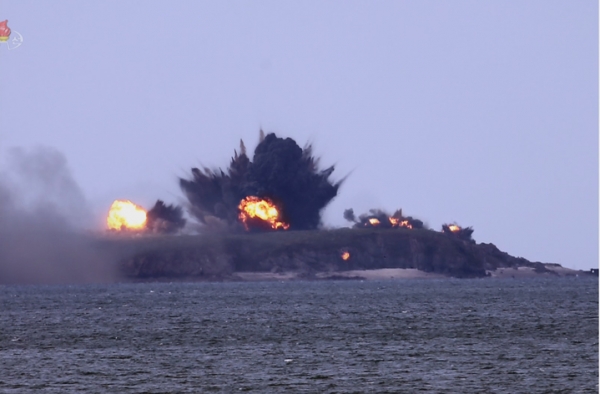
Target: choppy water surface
column 406, row 335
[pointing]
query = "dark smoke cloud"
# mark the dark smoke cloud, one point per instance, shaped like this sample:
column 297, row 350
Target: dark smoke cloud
column 42, row 212
column 165, row 219
column 280, row 170
column 349, row 215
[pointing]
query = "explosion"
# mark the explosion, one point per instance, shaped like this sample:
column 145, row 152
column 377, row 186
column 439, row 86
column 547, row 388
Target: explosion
column 345, row 255
column 261, row 209
column 396, row 222
column 463, row 233
column 378, row 218
column 280, row 171
column 405, row 223
column 454, row 228
column 125, row 215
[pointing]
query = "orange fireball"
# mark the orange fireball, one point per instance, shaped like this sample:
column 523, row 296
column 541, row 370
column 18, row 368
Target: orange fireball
column 125, row 215
column 262, row 208
column 454, row 228
column 345, row 255
column 374, row 221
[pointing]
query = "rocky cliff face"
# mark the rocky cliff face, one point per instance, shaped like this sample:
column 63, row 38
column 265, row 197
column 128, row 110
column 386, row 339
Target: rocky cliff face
column 218, row 256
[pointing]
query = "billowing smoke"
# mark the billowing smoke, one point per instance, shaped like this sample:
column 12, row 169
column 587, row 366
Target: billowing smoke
column 281, row 173
column 349, row 215
column 41, row 211
column 381, row 219
column 164, row 219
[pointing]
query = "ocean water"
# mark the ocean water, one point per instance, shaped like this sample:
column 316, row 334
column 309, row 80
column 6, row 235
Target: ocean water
column 467, row 336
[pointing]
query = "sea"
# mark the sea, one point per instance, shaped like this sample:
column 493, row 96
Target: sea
column 395, row 336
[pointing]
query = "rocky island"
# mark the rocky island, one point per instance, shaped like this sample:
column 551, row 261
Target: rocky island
column 260, row 218
column 321, row 254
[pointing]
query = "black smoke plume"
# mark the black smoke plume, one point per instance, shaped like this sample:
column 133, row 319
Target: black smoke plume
column 165, row 219
column 454, row 230
column 381, row 219
column 280, row 171
column 349, row 215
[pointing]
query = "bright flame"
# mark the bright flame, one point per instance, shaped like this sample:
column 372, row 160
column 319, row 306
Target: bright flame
column 395, row 222
column 406, row 224
column 125, row 215
column 454, row 228
column 264, row 209
column 374, row 221
column 345, row 255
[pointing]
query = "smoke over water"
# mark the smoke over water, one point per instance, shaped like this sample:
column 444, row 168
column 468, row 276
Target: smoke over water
column 281, row 188
column 42, row 214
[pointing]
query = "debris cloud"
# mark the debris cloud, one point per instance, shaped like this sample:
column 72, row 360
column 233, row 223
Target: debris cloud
column 165, row 219
column 281, row 172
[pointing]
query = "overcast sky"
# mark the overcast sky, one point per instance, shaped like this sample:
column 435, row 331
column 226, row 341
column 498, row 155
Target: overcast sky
column 479, row 112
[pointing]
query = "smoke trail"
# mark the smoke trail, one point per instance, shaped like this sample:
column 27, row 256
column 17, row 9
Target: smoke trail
column 42, row 212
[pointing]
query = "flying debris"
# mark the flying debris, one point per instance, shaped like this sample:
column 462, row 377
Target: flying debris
column 464, row 233
column 281, row 178
column 379, row 218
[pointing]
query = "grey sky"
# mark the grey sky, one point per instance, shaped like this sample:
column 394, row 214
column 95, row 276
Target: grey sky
column 480, row 112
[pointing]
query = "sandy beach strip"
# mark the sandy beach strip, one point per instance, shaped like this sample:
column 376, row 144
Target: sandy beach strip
column 375, row 274
column 397, row 273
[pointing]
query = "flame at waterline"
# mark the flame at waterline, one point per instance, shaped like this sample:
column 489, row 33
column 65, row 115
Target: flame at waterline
column 125, row 215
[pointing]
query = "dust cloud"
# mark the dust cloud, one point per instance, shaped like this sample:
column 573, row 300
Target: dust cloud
column 43, row 215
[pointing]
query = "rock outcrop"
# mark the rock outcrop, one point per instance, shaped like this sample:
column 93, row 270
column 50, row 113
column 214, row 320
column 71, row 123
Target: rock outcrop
column 216, row 257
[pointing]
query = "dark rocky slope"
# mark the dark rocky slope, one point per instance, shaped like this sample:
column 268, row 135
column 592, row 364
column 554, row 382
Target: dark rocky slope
column 216, row 257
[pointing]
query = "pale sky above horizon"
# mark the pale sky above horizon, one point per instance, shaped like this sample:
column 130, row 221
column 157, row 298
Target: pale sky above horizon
column 483, row 113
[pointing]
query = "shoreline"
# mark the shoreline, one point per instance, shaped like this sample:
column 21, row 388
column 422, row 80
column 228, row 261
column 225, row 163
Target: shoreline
column 402, row 273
